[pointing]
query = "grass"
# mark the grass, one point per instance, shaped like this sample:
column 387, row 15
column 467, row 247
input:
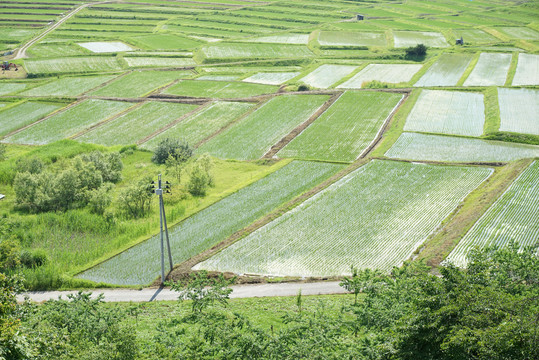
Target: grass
column 491, row 69
column 447, row 112
column 24, row 114
column 213, row 224
column 492, row 111
column 203, row 124
column 511, row 218
column 518, row 110
column 69, row 122
column 414, row 146
column 68, row 86
column 137, row 124
column 345, row 129
column 335, row 229
column 253, row 136
column 218, row 89
column 139, row 83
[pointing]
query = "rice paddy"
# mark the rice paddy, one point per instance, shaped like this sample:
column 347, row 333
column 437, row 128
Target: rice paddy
column 519, row 109
column 218, row 89
column 491, row 69
column 412, row 38
column 446, row 71
column 24, row 114
column 447, row 112
column 527, row 72
column 327, row 75
column 270, row 78
column 106, row 47
column 387, row 73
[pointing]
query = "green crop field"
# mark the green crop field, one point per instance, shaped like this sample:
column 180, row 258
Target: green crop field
column 253, row 136
column 218, row 89
column 166, row 42
column 68, row 86
column 412, row 38
column 413, row 146
column 69, row 122
column 327, row 75
column 136, row 124
column 519, row 109
column 255, row 51
column 475, row 36
column 271, row 78
column 342, row 38
column 527, row 70
column 24, row 114
column 491, row 69
column 9, row 88
column 72, row 65
column 158, row 62
column 139, row 83
column 520, row 33
column 373, row 218
column 203, row 124
column 447, row 112
column 293, row 39
column 213, row 224
column 446, row 71
column 345, row 129
column 513, row 217
column 389, row 73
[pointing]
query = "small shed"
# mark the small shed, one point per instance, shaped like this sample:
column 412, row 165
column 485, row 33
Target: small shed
column 460, row 41
column 360, row 17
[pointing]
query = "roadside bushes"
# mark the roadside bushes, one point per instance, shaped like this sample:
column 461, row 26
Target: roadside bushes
column 69, row 185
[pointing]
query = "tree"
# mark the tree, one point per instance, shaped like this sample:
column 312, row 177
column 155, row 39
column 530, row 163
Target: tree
column 200, row 177
column 180, row 150
column 203, row 291
column 136, row 200
column 416, row 52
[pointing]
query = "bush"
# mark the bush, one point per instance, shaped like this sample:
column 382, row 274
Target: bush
column 179, row 150
column 33, row 259
column 100, row 199
column 136, row 200
column 304, row 87
column 200, row 177
column 416, row 52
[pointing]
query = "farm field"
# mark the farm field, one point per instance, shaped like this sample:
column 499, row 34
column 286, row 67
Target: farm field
column 447, row 112
column 446, row 71
column 24, row 114
column 158, row 62
column 293, row 39
column 345, row 129
column 106, row 47
column 520, row 33
column 72, row 65
column 166, row 42
column 475, row 36
column 68, row 86
column 252, row 137
column 342, row 38
column 519, row 109
column 139, row 83
column 491, row 69
column 423, row 147
column 218, row 89
column 203, row 124
column 412, row 38
column 513, row 217
column 69, row 122
column 327, row 75
column 213, row 224
column 136, row 124
column 389, row 73
column 527, row 70
column 9, row 88
column 269, row 78
column 333, row 230
column 255, row 51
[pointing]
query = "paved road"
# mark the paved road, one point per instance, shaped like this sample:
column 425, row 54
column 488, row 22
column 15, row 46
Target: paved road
column 21, row 53
column 239, row 291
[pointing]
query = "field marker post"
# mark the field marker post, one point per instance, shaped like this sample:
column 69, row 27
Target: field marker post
column 163, row 224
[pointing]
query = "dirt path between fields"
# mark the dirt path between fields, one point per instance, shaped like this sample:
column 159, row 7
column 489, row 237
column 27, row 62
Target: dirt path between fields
column 161, row 294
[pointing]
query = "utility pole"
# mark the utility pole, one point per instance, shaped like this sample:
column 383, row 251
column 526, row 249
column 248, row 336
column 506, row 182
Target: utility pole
column 162, row 224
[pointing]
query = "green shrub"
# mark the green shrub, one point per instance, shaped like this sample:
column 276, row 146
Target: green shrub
column 33, row 259
column 180, row 150
column 416, row 52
